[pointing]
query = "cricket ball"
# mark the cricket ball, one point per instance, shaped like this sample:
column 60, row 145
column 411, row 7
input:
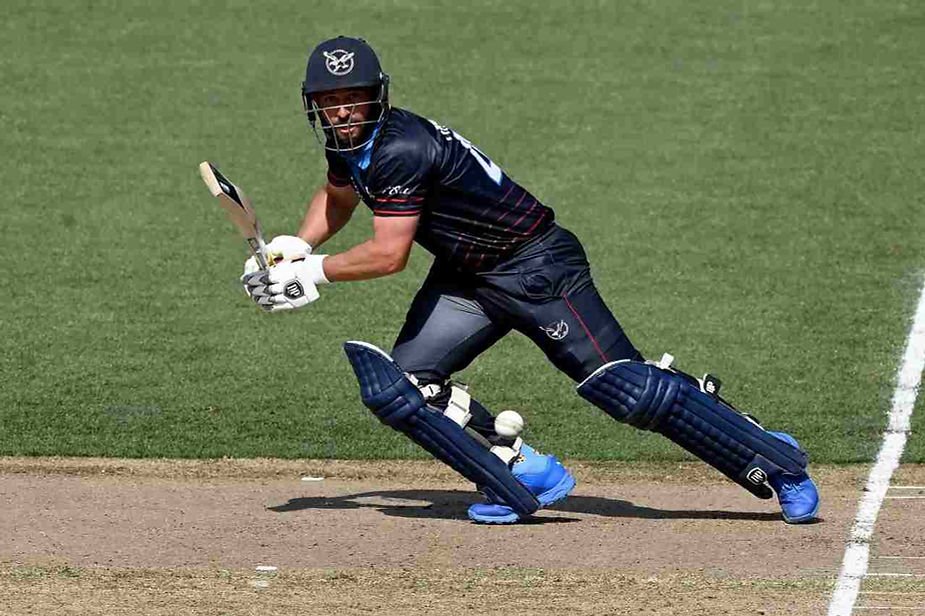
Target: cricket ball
column 509, row 424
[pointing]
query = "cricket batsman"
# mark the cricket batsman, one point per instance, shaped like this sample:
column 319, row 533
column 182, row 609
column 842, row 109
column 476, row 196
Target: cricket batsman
column 501, row 263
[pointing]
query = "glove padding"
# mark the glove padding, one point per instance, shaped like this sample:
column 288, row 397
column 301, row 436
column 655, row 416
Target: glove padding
column 280, row 248
column 287, row 285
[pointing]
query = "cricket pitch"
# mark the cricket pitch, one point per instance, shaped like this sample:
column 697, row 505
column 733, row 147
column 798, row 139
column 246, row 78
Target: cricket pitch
column 97, row 536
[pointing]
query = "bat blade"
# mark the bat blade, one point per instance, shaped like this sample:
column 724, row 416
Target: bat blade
column 238, row 207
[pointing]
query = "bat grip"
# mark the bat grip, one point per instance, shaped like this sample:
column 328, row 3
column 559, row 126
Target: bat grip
column 261, row 254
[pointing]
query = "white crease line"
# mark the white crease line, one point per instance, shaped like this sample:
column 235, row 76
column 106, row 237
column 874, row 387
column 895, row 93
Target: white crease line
column 902, row 557
column 904, row 497
column 907, row 487
column 891, row 592
column 888, row 607
column 854, row 564
column 909, row 575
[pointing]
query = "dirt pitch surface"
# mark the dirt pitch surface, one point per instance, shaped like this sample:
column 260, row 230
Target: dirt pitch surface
column 93, row 536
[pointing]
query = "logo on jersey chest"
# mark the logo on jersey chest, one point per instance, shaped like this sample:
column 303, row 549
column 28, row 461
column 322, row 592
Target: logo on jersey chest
column 338, row 62
column 557, row 330
column 394, row 191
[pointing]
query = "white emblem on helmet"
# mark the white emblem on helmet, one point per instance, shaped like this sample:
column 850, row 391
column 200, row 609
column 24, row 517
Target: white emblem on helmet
column 338, row 62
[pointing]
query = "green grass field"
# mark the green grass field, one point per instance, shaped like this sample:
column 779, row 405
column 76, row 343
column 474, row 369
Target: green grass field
column 746, row 176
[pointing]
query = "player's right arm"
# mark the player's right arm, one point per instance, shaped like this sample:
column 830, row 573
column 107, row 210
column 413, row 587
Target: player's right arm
column 328, row 211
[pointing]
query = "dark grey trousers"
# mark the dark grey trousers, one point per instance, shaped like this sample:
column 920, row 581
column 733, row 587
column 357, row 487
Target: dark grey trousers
column 543, row 290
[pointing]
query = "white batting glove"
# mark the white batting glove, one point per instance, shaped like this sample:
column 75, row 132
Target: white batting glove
column 287, row 248
column 287, row 285
column 280, row 248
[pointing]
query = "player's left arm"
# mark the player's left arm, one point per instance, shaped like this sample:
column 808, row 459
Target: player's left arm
column 385, row 253
column 398, row 190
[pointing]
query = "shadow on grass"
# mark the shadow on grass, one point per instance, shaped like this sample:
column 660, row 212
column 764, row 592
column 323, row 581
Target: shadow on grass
column 452, row 505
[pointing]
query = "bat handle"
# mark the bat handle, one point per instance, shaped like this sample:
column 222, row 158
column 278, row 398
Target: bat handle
column 261, row 254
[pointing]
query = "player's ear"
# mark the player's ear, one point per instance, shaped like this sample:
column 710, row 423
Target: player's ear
column 307, row 104
column 384, row 80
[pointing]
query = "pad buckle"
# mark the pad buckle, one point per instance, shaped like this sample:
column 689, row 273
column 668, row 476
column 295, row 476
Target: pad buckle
column 665, row 362
column 507, row 454
column 457, row 408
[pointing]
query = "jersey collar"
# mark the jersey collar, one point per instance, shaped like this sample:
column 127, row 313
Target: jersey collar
column 359, row 160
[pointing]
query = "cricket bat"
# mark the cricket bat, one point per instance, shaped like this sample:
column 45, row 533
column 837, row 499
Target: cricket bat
column 239, row 210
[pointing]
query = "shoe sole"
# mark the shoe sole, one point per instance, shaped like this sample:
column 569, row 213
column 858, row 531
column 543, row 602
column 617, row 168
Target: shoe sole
column 803, row 519
column 507, row 519
column 553, row 495
column 558, row 491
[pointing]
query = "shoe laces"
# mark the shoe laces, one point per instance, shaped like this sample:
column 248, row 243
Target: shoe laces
column 789, row 484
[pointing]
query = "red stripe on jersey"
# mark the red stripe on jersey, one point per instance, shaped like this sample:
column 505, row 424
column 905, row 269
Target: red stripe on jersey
column 516, row 205
column 511, row 228
column 396, row 212
column 538, row 221
column 509, row 190
column 468, row 250
column 501, row 201
column 581, row 322
column 410, row 199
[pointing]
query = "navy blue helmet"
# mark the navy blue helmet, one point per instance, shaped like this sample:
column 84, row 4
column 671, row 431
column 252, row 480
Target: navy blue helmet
column 345, row 63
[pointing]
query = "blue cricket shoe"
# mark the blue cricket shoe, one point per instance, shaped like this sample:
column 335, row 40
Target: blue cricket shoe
column 797, row 494
column 543, row 475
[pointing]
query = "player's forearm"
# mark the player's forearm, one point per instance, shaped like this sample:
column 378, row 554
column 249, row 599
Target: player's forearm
column 324, row 217
column 371, row 259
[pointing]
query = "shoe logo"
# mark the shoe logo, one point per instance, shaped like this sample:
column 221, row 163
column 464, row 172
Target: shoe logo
column 757, row 476
column 556, row 331
column 338, row 62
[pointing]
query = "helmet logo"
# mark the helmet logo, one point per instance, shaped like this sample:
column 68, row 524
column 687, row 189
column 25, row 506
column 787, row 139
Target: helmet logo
column 338, row 62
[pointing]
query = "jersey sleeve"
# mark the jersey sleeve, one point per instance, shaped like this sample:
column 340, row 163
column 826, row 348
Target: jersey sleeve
column 399, row 182
column 338, row 170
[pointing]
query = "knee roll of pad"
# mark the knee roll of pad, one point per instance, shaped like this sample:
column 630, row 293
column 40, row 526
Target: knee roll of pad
column 397, row 402
column 671, row 403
